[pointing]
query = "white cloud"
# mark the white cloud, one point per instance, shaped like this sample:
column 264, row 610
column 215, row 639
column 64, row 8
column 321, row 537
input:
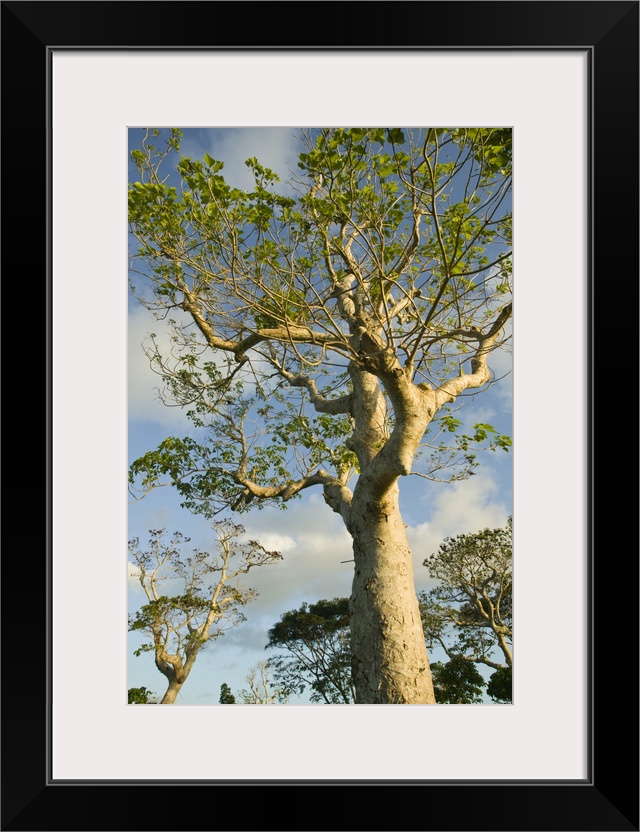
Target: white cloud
column 273, row 541
column 133, row 576
column 315, row 544
column 144, row 384
column 463, row 508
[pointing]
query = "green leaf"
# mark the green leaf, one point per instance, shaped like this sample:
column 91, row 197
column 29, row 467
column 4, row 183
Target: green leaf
column 480, row 426
column 395, row 135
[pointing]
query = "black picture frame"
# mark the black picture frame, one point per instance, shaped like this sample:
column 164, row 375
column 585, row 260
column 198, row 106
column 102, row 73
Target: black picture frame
column 608, row 799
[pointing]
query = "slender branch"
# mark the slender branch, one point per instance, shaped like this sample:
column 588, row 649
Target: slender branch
column 448, row 391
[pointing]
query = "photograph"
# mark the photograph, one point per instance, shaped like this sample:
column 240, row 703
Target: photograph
column 321, row 328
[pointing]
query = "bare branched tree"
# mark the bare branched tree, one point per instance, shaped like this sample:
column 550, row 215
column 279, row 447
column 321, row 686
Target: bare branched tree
column 261, row 690
column 191, row 600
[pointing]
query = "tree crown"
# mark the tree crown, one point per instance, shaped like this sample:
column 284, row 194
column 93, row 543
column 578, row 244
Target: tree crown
column 385, row 265
column 469, row 611
column 316, row 642
column 207, row 597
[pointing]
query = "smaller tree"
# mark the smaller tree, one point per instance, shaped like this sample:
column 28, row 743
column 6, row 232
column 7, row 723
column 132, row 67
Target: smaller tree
column 226, row 697
column 204, row 601
column 317, row 641
column 141, row 696
column 261, row 691
column 469, row 612
column 457, row 682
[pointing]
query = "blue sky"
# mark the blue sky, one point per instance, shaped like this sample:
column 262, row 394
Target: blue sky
column 310, row 536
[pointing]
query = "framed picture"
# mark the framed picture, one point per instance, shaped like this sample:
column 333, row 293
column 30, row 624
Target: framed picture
column 565, row 77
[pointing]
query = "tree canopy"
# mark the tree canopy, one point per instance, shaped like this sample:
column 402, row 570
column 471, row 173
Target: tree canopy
column 317, row 651
column 457, row 682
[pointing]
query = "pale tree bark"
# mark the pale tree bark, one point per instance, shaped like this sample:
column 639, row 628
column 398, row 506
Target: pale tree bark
column 260, row 690
column 171, row 695
column 175, row 670
column 390, row 662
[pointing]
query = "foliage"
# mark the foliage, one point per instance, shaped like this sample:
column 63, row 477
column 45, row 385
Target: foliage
column 205, row 595
column 317, row 642
column 469, row 612
column 226, row 697
column 457, row 682
column 404, row 233
column 141, row 696
column 260, row 690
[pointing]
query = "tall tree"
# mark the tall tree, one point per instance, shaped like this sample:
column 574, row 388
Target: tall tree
column 321, row 341
column 317, row 641
column 205, row 597
column 469, row 612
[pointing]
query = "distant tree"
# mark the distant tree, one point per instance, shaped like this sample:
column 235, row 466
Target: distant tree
column 317, row 641
column 469, row 612
column 500, row 685
column 261, row 691
column 322, row 340
column 205, row 597
column 226, row 697
column 457, row 682
column 141, row 696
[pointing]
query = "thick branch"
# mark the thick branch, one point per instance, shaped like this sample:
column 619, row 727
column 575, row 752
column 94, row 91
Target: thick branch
column 480, row 374
column 291, row 333
column 287, row 490
column 338, row 497
column 170, row 665
column 322, row 405
column 190, row 305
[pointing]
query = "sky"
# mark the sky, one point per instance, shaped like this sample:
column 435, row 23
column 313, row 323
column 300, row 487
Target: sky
column 315, row 546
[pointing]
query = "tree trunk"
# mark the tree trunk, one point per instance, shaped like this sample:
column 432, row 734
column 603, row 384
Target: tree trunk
column 174, row 671
column 389, row 655
column 171, row 693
